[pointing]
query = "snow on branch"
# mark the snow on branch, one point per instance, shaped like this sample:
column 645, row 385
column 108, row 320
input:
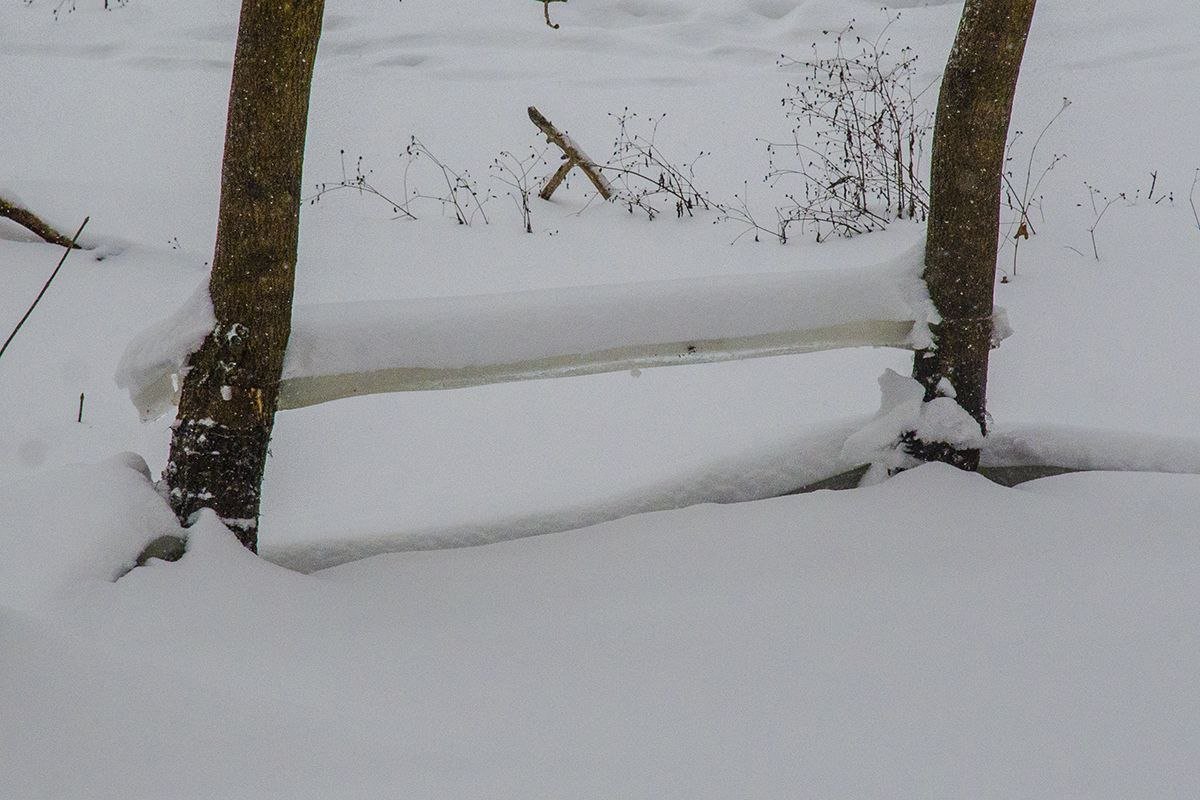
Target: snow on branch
column 347, row 349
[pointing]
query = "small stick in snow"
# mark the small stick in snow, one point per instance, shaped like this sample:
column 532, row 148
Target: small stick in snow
column 70, row 245
column 546, row 10
column 572, row 157
column 30, row 221
column 80, row 417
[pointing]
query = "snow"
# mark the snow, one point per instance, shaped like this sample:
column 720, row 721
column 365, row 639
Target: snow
column 902, row 409
column 586, row 587
column 83, row 526
column 152, row 365
column 1037, row 642
column 343, row 349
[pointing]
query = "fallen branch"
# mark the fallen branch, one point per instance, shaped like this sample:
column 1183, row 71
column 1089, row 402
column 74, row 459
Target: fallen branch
column 572, row 157
column 68, row 247
column 27, row 219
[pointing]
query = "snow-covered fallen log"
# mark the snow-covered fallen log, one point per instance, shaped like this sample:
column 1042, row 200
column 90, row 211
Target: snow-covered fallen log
column 346, row 349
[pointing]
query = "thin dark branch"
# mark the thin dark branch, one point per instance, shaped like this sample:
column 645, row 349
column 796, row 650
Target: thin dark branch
column 66, row 252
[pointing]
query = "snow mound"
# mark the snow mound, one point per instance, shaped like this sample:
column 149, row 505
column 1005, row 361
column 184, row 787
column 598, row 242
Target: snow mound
column 75, row 526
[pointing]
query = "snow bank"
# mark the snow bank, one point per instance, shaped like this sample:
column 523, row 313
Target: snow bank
column 74, row 526
column 814, row 454
column 344, row 349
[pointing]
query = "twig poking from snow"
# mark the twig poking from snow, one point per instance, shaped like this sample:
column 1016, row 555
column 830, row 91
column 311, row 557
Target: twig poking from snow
column 66, row 252
column 1192, row 197
column 1099, row 211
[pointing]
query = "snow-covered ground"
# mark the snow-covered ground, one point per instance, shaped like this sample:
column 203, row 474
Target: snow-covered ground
column 1032, row 643
column 935, row 636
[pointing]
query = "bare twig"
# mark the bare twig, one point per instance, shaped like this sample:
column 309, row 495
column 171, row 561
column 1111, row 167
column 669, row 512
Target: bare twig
column 740, row 211
column 360, row 183
column 1099, row 210
column 1023, row 200
column 516, row 174
column 1192, row 198
column 67, row 248
column 644, row 172
column 546, row 10
column 462, row 193
column 68, row 6
column 457, row 184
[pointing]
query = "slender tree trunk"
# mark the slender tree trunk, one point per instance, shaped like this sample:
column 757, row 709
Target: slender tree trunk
column 969, row 137
column 227, row 408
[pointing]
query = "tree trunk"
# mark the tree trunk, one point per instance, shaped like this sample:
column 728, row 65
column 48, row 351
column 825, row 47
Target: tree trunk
column 228, row 402
column 969, row 138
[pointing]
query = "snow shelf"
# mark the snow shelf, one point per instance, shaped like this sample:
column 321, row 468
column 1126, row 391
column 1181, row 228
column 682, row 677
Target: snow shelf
column 346, row 349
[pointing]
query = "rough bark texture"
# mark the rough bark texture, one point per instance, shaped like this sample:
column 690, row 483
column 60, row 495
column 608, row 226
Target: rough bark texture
column 32, row 222
column 228, row 402
column 969, row 136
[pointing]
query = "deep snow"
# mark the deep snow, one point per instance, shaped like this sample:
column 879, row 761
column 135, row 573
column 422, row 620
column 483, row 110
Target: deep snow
column 1035, row 642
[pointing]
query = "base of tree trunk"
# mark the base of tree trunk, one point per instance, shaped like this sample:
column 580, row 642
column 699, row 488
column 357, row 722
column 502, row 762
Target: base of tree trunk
column 218, row 467
column 943, row 452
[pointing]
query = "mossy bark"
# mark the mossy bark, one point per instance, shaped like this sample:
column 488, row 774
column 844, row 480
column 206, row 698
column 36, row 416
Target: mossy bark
column 228, row 402
column 969, row 138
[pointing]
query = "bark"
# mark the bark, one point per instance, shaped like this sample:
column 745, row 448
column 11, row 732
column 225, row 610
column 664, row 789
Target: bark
column 572, row 155
column 32, row 222
column 969, row 136
column 229, row 396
